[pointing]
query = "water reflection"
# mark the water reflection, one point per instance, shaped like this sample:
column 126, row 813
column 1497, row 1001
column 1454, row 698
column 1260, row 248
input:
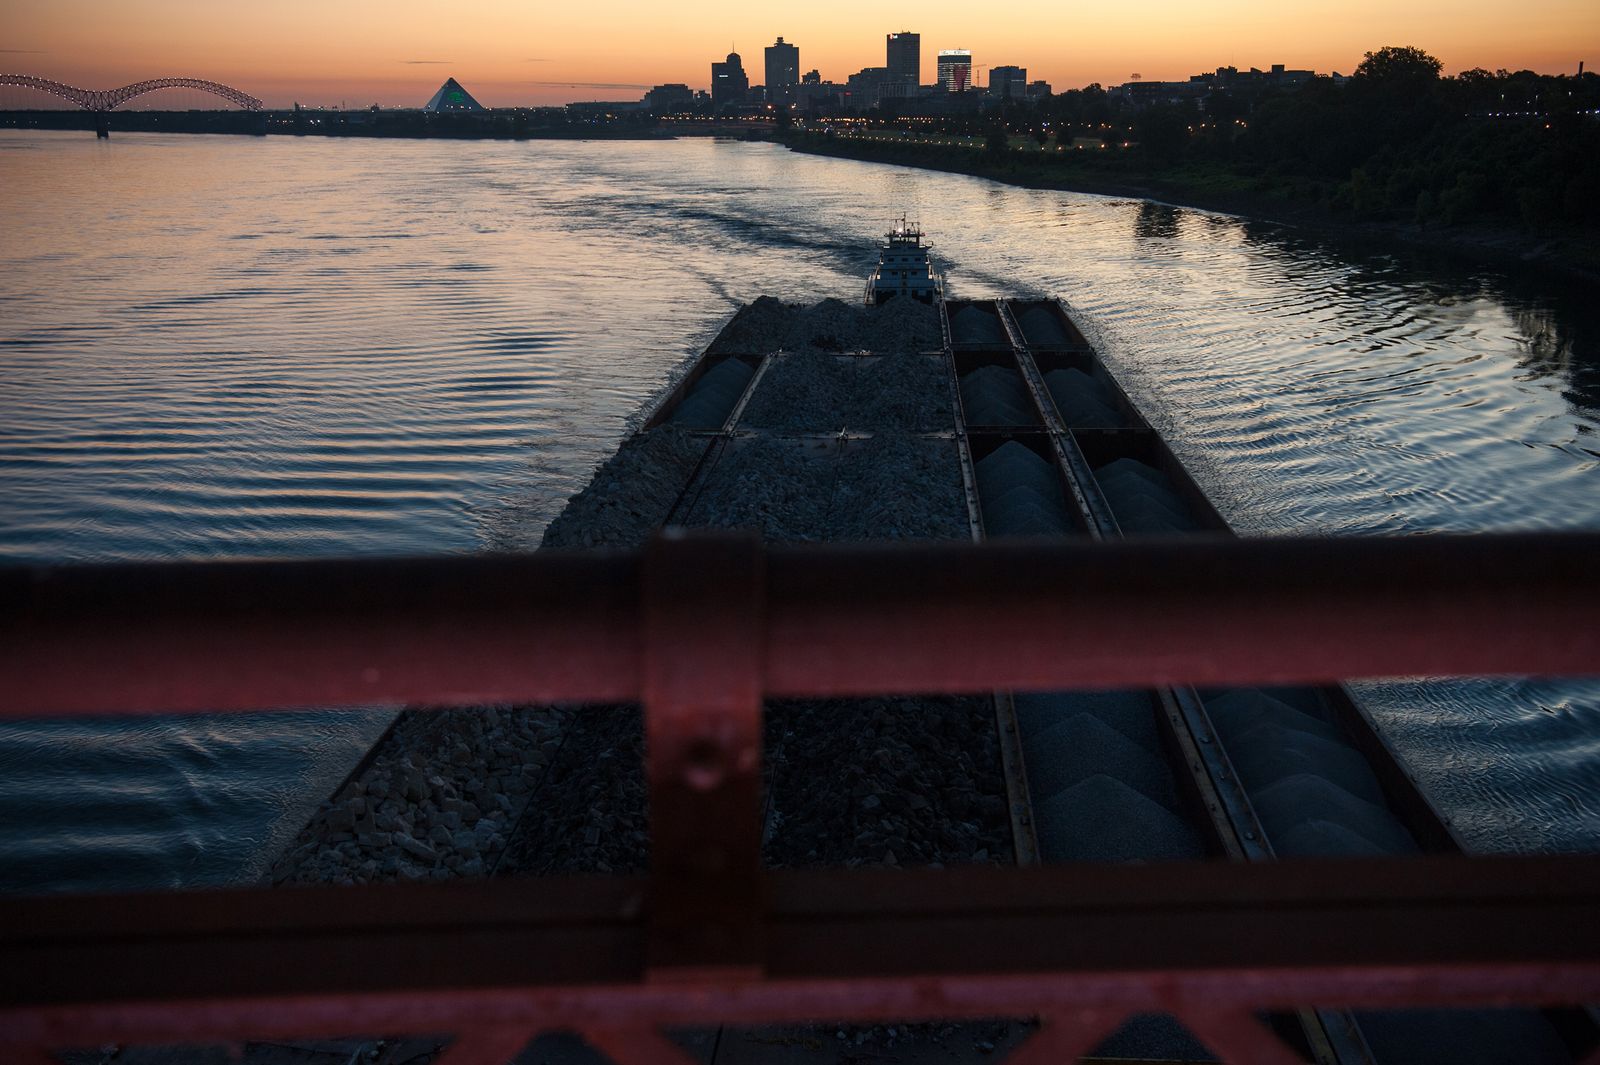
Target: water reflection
column 1561, row 346
column 1550, row 325
column 1156, row 221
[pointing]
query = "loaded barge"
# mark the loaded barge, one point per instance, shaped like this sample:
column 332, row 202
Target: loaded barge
column 964, row 419
column 1013, row 418
column 954, row 420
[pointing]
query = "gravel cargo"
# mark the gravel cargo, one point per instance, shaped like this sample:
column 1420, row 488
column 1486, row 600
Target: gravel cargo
column 1041, row 329
column 805, row 391
column 996, row 396
column 901, row 393
column 899, row 488
column 630, row 494
column 973, row 324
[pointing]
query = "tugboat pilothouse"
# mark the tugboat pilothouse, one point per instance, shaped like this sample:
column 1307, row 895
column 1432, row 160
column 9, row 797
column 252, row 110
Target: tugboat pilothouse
column 903, row 268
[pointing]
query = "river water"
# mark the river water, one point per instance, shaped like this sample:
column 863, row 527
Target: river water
column 228, row 347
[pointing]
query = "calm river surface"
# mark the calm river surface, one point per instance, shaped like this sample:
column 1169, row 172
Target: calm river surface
column 226, row 347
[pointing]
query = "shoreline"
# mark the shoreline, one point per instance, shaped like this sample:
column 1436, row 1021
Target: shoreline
column 1485, row 244
column 354, row 125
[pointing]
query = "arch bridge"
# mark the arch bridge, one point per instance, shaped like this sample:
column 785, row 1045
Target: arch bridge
column 109, row 99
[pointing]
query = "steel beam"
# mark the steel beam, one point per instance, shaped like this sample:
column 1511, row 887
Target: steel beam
column 510, row 957
column 702, row 717
column 837, row 621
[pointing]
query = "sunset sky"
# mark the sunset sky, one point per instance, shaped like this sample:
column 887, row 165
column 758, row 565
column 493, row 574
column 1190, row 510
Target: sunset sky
column 510, row 52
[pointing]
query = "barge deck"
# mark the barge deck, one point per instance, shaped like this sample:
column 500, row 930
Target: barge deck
column 989, row 419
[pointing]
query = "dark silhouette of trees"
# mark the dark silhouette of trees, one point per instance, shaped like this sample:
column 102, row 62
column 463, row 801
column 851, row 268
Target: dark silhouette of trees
column 1403, row 67
column 1163, row 131
column 1397, row 141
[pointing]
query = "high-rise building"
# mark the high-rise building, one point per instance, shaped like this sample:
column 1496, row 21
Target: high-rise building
column 955, row 69
column 905, row 56
column 729, row 82
column 1008, row 82
column 783, row 71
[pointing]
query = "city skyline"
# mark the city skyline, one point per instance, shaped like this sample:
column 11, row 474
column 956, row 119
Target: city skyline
column 365, row 52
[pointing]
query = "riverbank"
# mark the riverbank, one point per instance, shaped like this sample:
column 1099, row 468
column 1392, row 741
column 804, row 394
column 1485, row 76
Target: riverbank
column 1571, row 256
column 364, row 124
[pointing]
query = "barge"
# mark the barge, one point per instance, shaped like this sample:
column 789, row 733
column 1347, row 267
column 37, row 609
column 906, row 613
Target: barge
column 1041, row 441
column 952, row 420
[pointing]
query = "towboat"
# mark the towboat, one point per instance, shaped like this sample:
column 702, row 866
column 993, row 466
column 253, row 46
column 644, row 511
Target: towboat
column 903, row 268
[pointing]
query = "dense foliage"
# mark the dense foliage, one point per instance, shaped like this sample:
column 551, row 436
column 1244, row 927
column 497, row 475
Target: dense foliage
column 1395, row 141
column 1401, row 140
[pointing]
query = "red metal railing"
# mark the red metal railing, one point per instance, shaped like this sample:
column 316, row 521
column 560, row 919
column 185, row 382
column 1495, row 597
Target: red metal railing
column 701, row 629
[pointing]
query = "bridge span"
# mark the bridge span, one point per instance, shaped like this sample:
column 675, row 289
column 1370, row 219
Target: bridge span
column 110, row 99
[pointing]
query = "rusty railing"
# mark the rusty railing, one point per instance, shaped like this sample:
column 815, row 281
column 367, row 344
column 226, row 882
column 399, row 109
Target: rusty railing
column 701, row 629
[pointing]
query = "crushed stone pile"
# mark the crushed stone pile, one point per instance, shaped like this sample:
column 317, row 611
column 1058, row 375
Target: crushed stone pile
column 803, row 392
column 1313, row 791
column 817, row 392
column 996, row 396
column 901, row 392
column 888, row 781
column 901, row 325
column 975, row 325
column 831, row 325
column 1083, row 401
column 437, row 799
column 630, row 494
column 712, row 398
column 894, row 488
column 1041, row 329
column 783, row 488
column 1142, row 499
column 592, row 814
column 1102, row 789
column 1073, row 825
column 1021, row 494
column 757, row 328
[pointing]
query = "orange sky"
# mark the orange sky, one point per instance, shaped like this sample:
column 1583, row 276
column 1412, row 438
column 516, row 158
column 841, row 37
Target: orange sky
column 510, row 52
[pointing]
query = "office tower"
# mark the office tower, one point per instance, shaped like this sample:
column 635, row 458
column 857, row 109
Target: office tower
column 1009, row 82
column 783, row 71
column 729, row 83
column 905, row 56
column 955, row 69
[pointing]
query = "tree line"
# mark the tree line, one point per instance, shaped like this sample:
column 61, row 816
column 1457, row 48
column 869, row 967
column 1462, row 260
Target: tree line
column 1397, row 140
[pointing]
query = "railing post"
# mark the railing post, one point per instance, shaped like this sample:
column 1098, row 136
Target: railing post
column 704, row 618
